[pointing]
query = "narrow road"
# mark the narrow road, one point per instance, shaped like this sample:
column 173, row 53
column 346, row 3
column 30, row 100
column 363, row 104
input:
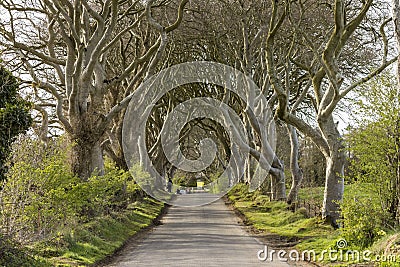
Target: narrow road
column 196, row 236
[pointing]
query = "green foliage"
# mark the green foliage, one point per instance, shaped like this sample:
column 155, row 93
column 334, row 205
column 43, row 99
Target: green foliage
column 217, row 186
column 38, row 198
column 388, row 245
column 363, row 217
column 312, row 163
column 11, row 255
column 374, row 149
column 44, row 206
column 91, row 242
column 42, row 195
column 372, row 162
column 184, row 179
column 101, row 195
column 313, row 194
column 14, row 116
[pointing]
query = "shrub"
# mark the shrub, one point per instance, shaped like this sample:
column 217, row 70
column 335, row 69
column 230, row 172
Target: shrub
column 43, row 200
column 14, row 116
column 11, row 255
column 363, row 218
column 102, row 195
column 36, row 198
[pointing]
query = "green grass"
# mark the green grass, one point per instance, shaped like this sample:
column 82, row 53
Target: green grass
column 316, row 194
column 311, row 233
column 92, row 242
column 275, row 217
column 13, row 255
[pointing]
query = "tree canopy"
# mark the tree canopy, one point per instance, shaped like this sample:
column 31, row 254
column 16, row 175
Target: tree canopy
column 14, row 116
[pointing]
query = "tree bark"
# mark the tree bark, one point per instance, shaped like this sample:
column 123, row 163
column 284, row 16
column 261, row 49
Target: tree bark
column 334, row 182
column 330, row 86
column 297, row 173
column 334, row 188
column 278, row 186
column 87, row 158
column 247, row 171
column 80, row 65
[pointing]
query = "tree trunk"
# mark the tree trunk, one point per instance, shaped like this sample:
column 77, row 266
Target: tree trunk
column 87, row 158
column 297, row 173
column 121, row 163
column 160, row 163
column 246, row 175
column 278, row 186
column 334, row 182
column 248, row 171
column 334, row 187
column 114, row 149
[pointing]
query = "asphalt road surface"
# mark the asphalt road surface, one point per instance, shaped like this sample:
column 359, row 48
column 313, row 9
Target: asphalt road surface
column 206, row 235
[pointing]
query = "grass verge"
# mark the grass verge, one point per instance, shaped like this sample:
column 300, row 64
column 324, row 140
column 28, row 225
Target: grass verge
column 313, row 233
column 276, row 218
column 15, row 255
column 96, row 240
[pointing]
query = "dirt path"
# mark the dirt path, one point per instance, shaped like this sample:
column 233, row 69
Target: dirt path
column 208, row 235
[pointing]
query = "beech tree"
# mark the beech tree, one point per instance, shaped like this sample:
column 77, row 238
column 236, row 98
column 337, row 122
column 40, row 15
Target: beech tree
column 190, row 136
column 232, row 33
column 333, row 67
column 64, row 48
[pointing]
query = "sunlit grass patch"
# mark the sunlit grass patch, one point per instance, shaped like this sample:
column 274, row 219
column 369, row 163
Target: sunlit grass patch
column 101, row 237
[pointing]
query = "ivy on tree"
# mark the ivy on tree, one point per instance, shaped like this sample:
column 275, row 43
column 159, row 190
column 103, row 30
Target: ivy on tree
column 14, row 116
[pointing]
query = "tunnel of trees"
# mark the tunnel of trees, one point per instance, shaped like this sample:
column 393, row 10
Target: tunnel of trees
column 69, row 70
